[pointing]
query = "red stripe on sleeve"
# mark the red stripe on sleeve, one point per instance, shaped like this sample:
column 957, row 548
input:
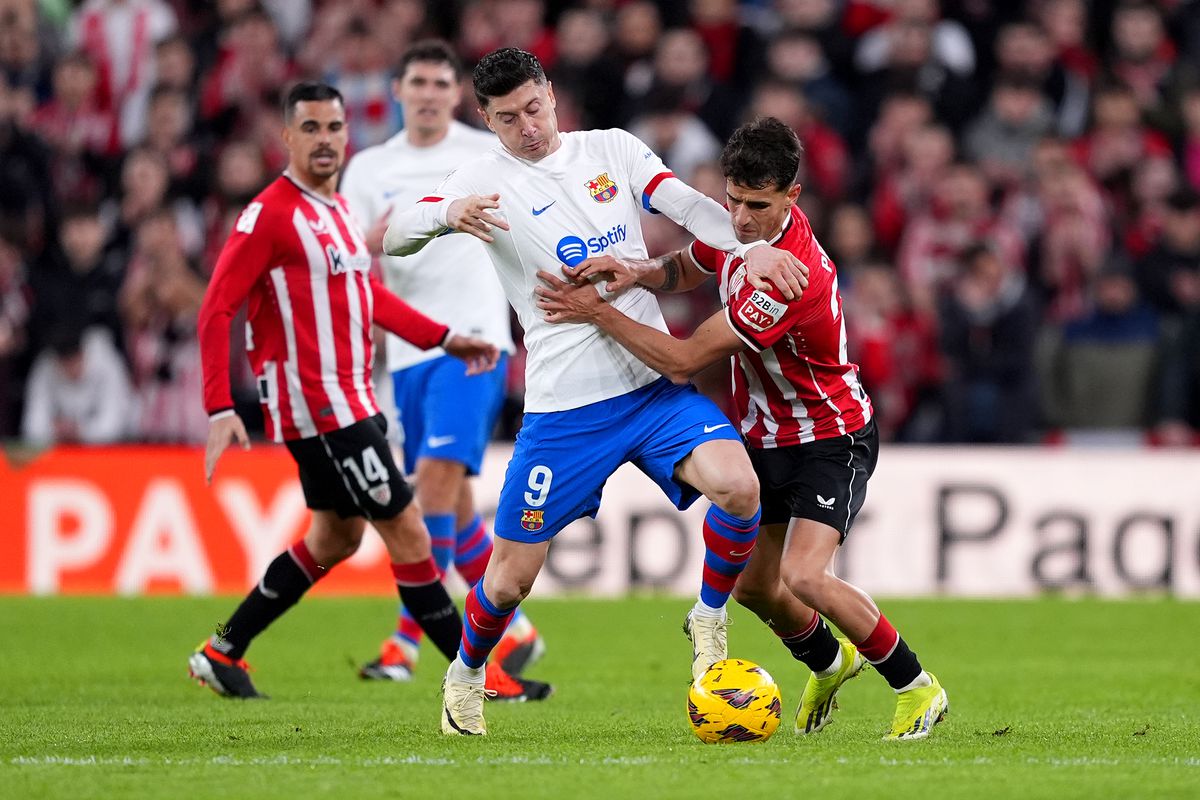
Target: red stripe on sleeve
column 654, row 182
column 431, row 198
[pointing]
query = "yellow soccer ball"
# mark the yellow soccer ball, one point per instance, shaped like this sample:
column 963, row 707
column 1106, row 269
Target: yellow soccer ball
column 735, row 701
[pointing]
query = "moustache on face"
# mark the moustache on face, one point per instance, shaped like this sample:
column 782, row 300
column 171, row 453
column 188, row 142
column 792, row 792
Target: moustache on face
column 319, row 153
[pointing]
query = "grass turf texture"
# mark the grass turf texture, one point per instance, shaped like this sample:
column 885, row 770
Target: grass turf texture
column 1049, row 698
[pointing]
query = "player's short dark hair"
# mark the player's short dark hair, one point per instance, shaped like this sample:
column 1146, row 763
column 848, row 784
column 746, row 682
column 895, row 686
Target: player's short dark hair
column 307, row 92
column 437, row 51
column 762, row 154
column 501, row 71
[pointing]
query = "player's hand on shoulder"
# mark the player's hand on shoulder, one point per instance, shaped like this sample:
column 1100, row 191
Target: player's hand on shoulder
column 473, row 214
column 222, row 432
column 768, row 266
column 479, row 355
column 620, row 274
column 561, row 301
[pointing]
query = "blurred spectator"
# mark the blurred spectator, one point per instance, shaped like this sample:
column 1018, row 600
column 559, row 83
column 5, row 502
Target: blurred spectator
column 250, row 73
column 1177, row 392
column 21, row 56
column 159, row 303
column 362, row 73
column 586, row 68
column 907, row 187
column 1098, row 372
column 1065, row 22
column 1025, row 52
column 145, row 183
column 27, row 204
column 796, row 57
column 681, row 63
column 959, row 218
column 1073, row 243
column 825, row 170
column 678, row 136
column 850, row 241
column 119, row 37
column 1002, row 138
column 988, row 329
column 80, row 279
column 897, row 354
column 820, row 19
column 1117, row 139
column 78, row 391
column 949, row 43
column 1153, row 181
column 169, row 134
column 637, row 30
column 175, row 64
column 240, row 174
column 1189, row 144
column 82, row 135
column 735, row 51
column 1169, row 275
column 1142, row 56
column 14, row 314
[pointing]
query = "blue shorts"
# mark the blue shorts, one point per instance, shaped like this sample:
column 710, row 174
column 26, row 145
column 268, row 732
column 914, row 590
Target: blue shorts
column 444, row 413
column 563, row 458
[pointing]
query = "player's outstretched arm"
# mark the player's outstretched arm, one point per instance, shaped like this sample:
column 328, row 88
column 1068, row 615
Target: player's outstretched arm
column 415, row 227
column 673, row 272
column 676, row 359
column 705, row 219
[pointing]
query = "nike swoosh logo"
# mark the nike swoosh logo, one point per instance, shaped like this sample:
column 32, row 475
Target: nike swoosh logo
column 267, row 593
column 739, row 555
column 537, row 212
column 390, row 193
column 711, row 428
column 440, row 441
column 483, row 627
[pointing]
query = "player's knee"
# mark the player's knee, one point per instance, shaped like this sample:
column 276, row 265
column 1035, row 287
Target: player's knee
column 507, row 592
column 807, row 585
column 751, row 595
column 738, row 494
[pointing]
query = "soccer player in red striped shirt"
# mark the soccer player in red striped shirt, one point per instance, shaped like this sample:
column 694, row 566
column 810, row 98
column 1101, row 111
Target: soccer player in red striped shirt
column 300, row 260
column 804, row 416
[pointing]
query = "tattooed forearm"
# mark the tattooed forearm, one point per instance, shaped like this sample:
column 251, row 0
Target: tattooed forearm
column 670, row 268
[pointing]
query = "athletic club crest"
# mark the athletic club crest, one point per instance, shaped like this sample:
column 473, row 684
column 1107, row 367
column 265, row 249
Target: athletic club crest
column 381, row 494
column 532, row 520
column 603, row 190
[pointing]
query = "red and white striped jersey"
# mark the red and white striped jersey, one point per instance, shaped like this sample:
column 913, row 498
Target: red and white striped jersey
column 302, row 263
column 794, row 383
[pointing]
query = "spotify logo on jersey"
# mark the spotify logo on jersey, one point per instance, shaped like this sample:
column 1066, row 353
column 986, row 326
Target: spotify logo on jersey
column 572, row 249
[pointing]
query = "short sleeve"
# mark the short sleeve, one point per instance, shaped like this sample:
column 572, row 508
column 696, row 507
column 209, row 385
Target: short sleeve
column 761, row 318
column 707, row 259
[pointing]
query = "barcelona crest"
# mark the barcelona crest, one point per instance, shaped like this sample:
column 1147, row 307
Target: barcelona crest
column 532, row 520
column 603, row 190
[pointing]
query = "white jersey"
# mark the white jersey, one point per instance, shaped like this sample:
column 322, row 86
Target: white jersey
column 580, row 201
column 449, row 279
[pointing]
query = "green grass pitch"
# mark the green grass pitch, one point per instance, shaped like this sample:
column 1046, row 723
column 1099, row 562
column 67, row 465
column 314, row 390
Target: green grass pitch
column 1049, row 698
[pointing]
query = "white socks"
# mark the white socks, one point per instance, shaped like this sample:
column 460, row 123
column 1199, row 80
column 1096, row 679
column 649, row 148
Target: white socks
column 461, row 673
column 919, row 682
column 703, row 609
column 832, row 669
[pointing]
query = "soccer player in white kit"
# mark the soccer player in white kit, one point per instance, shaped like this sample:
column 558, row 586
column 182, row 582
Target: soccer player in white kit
column 543, row 198
column 446, row 415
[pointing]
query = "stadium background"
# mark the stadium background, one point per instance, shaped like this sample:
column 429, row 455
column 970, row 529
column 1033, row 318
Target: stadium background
column 1009, row 191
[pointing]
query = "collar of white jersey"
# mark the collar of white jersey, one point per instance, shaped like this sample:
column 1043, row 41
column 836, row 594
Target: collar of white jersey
column 329, row 201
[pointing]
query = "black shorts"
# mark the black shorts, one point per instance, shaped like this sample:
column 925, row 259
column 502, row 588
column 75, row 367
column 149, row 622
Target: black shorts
column 351, row 471
column 825, row 480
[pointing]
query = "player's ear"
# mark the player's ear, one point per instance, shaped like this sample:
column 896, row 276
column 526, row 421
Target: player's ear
column 550, row 94
column 793, row 193
column 487, row 120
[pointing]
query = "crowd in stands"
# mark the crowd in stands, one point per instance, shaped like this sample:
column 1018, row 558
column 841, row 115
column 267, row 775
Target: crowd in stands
column 1010, row 190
